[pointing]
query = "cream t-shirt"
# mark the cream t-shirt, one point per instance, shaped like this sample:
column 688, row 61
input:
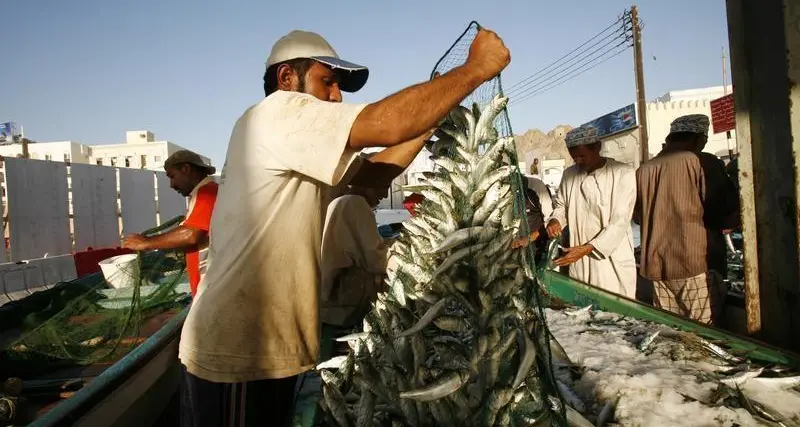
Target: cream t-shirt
column 257, row 313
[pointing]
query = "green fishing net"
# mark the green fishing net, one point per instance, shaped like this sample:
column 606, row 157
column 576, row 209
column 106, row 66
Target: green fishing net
column 456, row 56
column 85, row 321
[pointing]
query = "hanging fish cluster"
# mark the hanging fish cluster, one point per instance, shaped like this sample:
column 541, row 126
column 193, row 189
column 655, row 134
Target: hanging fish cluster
column 451, row 342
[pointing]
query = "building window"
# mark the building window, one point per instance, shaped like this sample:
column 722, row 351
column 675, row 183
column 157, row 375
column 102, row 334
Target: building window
column 48, row 157
column 66, row 158
column 113, row 161
column 157, row 159
column 128, row 161
column 99, row 162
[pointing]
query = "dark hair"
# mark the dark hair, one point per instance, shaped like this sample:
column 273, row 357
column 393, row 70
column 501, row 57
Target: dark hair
column 299, row 66
column 681, row 136
column 195, row 168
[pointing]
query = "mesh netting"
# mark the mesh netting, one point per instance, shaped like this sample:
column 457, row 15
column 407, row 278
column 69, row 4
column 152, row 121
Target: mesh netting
column 86, row 321
column 483, row 95
column 459, row 337
column 457, row 56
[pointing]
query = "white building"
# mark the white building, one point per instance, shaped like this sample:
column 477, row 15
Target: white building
column 61, row 151
column 140, row 150
column 674, row 104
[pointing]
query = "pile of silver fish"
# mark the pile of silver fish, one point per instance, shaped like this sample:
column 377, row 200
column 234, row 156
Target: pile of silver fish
column 627, row 369
column 452, row 340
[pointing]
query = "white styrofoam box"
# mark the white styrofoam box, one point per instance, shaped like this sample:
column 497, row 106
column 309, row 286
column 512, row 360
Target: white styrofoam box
column 120, row 271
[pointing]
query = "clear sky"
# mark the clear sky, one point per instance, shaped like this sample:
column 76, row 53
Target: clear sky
column 87, row 70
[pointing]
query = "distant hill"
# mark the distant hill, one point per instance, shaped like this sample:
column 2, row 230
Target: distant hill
column 537, row 144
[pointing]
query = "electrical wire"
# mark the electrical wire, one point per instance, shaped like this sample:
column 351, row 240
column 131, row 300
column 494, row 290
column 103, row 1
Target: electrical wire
column 578, row 61
column 622, row 38
column 625, row 21
column 567, row 78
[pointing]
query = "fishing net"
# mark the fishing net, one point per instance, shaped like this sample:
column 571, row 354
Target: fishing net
column 456, row 56
column 85, row 321
column 459, row 337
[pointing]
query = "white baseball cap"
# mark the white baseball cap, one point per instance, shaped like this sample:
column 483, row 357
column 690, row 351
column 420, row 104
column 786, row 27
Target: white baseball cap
column 305, row 44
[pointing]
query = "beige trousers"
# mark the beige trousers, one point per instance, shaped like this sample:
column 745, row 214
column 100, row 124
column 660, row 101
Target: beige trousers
column 700, row 298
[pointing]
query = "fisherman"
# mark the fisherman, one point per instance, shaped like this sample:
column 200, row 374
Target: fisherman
column 595, row 200
column 256, row 327
column 543, row 193
column 353, row 257
column 535, row 170
column 685, row 202
column 192, row 178
column 537, row 234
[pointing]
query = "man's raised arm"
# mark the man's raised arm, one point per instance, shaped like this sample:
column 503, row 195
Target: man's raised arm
column 415, row 110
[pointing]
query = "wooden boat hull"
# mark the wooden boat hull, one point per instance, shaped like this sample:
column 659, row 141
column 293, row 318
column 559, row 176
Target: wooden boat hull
column 134, row 391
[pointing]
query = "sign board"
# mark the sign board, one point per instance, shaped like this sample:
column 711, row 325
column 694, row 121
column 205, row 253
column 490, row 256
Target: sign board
column 613, row 122
column 9, row 133
column 723, row 114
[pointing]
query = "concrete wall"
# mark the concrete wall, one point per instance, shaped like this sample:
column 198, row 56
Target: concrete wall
column 661, row 114
column 54, row 209
column 623, row 147
column 552, row 170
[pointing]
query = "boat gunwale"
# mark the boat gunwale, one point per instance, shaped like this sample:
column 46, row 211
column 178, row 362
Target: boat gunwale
column 755, row 349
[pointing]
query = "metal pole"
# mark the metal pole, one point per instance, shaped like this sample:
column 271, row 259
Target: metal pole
column 24, row 142
column 765, row 44
column 725, row 92
column 641, row 103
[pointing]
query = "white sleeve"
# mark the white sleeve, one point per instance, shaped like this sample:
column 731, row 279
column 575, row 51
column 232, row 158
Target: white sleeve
column 622, row 203
column 545, row 199
column 307, row 135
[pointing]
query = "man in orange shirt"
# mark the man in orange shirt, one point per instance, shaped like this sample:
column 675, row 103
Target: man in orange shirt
column 191, row 177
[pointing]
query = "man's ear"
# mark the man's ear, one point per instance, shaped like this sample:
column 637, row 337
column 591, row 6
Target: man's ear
column 286, row 77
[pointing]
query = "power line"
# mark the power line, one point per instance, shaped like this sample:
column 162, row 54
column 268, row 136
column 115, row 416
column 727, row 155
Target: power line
column 599, row 54
column 567, row 78
column 583, row 60
column 624, row 19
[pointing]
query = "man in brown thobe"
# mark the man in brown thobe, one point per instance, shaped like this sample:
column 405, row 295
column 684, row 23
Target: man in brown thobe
column 685, row 203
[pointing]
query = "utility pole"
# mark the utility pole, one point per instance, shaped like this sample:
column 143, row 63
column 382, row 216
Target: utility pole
column 725, row 92
column 641, row 102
